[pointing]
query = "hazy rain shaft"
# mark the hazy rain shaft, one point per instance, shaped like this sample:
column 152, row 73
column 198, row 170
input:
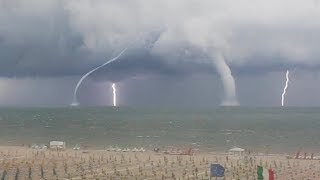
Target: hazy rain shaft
column 69, row 37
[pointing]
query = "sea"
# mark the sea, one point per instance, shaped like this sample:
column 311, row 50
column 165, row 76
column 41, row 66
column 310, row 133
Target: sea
column 266, row 130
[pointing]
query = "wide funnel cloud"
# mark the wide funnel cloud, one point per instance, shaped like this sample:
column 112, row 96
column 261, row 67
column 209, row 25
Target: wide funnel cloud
column 227, row 81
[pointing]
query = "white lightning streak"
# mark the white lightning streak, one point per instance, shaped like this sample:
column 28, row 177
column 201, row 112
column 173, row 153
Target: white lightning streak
column 114, row 94
column 285, row 88
column 75, row 101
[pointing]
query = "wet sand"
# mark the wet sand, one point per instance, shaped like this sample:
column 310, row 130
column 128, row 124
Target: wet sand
column 26, row 163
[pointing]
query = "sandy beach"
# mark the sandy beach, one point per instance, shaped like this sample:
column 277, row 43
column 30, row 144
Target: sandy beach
column 27, row 163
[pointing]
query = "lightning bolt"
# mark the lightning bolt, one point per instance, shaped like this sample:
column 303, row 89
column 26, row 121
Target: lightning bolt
column 114, row 94
column 75, row 101
column 285, row 88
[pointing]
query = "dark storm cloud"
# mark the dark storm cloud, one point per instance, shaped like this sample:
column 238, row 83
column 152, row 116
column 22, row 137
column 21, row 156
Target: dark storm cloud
column 145, row 64
column 62, row 38
column 171, row 38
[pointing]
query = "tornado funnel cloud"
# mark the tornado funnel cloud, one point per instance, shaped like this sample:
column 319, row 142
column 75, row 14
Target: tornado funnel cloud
column 75, row 99
column 228, row 81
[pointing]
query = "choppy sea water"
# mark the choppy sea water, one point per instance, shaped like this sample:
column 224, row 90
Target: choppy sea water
column 216, row 129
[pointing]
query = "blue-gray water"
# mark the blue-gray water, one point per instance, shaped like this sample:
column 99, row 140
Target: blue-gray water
column 261, row 129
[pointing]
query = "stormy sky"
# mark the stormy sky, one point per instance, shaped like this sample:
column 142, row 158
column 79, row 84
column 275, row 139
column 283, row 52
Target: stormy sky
column 186, row 53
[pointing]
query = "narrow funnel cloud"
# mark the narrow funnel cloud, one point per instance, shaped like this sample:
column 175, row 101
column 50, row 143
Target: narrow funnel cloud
column 285, row 88
column 75, row 100
column 114, row 91
column 227, row 81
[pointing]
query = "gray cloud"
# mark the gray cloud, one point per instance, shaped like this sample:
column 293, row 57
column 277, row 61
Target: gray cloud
column 61, row 38
column 43, row 38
